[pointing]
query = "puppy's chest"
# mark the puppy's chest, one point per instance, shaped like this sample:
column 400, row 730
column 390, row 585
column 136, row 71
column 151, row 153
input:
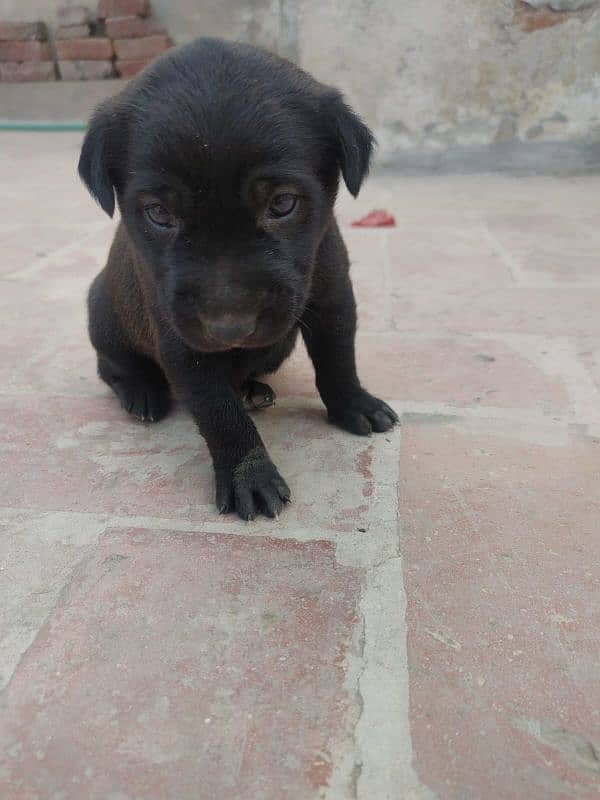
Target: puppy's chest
column 247, row 364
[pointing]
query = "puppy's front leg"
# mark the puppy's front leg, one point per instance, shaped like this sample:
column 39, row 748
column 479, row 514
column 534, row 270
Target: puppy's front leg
column 247, row 481
column 329, row 328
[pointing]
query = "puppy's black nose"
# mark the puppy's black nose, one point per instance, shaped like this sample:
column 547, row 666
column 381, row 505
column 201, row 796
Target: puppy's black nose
column 229, row 329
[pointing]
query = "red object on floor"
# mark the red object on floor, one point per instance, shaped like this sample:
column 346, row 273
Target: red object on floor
column 379, row 218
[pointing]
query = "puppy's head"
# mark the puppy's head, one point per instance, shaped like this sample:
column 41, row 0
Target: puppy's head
column 225, row 163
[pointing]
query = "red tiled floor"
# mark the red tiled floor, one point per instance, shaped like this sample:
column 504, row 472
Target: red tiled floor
column 152, row 647
column 243, row 697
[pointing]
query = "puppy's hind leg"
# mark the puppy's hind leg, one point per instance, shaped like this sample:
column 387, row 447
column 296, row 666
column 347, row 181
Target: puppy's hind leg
column 143, row 393
column 257, row 395
column 137, row 380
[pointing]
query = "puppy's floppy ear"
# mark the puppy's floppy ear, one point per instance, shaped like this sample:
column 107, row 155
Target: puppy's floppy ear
column 97, row 159
column 353, row 143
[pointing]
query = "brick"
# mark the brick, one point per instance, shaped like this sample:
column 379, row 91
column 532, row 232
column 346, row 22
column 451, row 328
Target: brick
column 92, row 49
column 127, row 69
column 25, row 51
column 73, row 15
column 534, row 19
column 81, row 70
column 50, row 353
column 122, row 8
column 72, row 32
column 23, row 31
column 165, row 640
column 459, row 255
column 26, row 243
column 549, row 248
column 502, row 585
column 442, row 369
column 13, row 72
column 146, row 47
column 132, row 27
column 41, row 552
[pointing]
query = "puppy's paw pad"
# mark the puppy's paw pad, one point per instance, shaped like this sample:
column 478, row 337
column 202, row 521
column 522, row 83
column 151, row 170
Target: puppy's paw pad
column 253, row 487
column 364, row 414
column 148, row 402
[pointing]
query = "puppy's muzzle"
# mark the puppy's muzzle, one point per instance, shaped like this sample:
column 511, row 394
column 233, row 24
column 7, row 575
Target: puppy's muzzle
column 229, row 329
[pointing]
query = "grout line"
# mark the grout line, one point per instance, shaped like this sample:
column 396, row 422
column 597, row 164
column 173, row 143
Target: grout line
column 512, row 263
column 33, row 268
column 557, row 358
column 383, row 732
column 260, row 528
column 429, row 408
column 380, row 762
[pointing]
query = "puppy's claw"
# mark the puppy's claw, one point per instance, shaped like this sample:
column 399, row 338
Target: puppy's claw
column 381, row 421
column 283, row 491
column 144, row 400
column 224, row 491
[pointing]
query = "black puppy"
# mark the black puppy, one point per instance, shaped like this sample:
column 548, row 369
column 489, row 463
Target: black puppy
column 225, row 163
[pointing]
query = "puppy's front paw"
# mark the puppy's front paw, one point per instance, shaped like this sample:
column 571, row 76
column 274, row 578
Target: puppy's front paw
column 252, row 487
column 362, row 414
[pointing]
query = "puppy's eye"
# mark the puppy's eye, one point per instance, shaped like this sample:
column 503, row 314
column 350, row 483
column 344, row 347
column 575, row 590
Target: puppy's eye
column 160, row 216
column 282, row 205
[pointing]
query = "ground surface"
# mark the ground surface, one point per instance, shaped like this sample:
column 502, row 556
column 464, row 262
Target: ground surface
column 423, row 621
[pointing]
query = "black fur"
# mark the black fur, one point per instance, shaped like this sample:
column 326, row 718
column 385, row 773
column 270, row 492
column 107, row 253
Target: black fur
column 205, row 287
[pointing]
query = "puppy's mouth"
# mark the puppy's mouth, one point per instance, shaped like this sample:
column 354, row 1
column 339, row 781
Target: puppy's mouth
column 218, row 335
